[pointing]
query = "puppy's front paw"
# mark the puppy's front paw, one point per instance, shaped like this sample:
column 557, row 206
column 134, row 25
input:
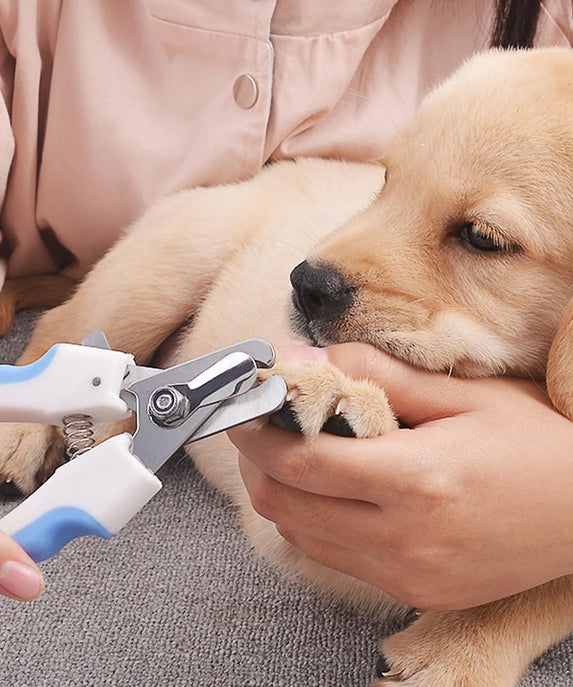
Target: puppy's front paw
column 29, row 454
column 322, row 396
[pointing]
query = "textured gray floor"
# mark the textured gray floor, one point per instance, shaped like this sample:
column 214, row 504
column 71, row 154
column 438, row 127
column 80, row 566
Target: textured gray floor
column 177, row 599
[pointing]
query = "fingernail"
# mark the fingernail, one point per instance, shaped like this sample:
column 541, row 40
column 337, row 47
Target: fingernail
column 303, row 354
column 20, row 580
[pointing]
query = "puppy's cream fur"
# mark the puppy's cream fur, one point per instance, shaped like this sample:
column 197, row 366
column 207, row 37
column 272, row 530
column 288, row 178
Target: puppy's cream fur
column 493, row 147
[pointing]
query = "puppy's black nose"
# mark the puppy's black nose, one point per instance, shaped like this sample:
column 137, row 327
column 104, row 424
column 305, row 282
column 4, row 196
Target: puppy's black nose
column 320, row 292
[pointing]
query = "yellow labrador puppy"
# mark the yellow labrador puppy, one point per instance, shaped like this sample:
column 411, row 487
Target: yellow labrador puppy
column 455, row 254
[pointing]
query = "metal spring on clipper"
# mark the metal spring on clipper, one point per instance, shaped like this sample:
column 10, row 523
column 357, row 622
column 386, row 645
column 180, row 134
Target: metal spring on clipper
column 78, row 434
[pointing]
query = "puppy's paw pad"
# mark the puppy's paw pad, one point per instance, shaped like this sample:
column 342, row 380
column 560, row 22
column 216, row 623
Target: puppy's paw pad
column 322, row 395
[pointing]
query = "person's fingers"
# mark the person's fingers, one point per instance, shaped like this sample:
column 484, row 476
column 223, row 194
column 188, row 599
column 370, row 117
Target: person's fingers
column 19, row 576
column 379, row 470
column 421, row 589
column 362, row 566
column 340, row 520
column 327, row 465
column 335, row 556
column 383, row 469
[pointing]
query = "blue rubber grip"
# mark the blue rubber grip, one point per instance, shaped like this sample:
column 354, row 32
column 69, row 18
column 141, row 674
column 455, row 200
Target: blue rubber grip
column 12, row 374
column 44, row 537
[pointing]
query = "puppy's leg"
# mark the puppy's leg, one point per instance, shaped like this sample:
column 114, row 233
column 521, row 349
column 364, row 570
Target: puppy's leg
column 44, row 291
column 155, row 277
column 142, row 290
column 488, row 646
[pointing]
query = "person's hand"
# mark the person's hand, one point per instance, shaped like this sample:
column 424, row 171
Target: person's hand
column 474, row 503
column 20, row 578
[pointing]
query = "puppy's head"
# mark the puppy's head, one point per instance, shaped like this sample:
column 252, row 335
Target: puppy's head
column 465, row 261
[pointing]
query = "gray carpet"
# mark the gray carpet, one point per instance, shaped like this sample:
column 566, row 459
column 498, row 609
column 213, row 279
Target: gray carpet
column 177, row 599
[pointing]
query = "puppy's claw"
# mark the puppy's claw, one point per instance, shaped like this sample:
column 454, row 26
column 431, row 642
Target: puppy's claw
column 9, row 490
column 384, row 670
column 382, row 666
column 292, row 395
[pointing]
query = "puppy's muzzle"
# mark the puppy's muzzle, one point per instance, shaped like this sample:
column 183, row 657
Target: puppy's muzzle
column 321, row 294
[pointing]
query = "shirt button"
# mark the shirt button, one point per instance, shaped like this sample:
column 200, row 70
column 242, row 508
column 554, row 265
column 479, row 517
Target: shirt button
column 245, row 91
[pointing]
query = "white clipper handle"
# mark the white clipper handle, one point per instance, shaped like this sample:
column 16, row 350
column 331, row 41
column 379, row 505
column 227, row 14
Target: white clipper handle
column 97, row 493
column 68, row 379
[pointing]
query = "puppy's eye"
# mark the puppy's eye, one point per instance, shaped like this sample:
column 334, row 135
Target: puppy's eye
column 480, row 237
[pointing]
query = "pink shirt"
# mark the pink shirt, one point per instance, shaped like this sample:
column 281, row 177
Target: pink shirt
column 110, row 104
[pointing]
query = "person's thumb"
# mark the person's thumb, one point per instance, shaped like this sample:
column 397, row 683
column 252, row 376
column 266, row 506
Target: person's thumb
column 20, row 578
column 416, row 396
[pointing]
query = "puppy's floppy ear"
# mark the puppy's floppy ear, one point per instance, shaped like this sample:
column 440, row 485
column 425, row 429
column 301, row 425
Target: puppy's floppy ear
column 560, row 366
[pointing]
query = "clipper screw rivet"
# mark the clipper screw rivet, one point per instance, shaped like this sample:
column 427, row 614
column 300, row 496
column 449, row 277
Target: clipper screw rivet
column 168, row 406
column 163, row 400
